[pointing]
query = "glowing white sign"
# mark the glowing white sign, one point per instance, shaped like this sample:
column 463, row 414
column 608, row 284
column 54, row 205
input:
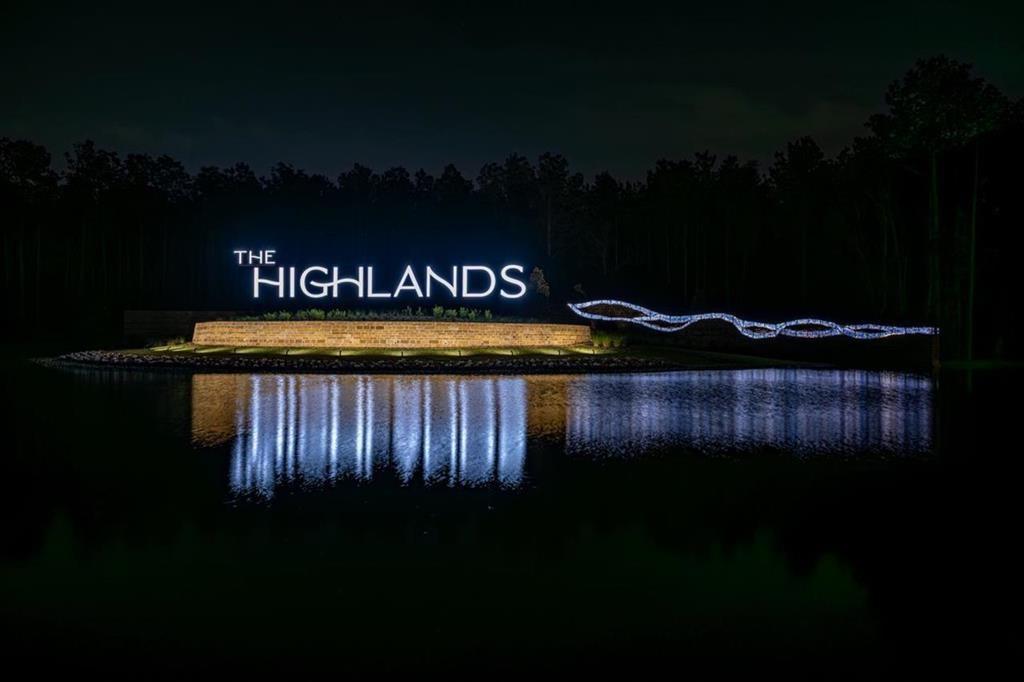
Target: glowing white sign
column 806, row 328
column 320, row 281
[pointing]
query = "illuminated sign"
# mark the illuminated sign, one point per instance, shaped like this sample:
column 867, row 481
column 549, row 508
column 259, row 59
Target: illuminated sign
column 270, row 279
column 805, row 328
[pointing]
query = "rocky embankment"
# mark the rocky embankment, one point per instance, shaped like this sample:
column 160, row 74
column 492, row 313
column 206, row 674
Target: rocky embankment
column 479, row 364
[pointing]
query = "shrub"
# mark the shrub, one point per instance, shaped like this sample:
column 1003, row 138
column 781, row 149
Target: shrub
column 605, row 339
column 310, row 314
column 173, row 341
column 438, row 312
column 540, row 283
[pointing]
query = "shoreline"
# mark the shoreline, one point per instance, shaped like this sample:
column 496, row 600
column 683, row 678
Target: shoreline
column 424, row 364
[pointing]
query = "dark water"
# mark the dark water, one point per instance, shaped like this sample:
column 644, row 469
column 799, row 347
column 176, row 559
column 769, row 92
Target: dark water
column 317, row 430
column 606, row 524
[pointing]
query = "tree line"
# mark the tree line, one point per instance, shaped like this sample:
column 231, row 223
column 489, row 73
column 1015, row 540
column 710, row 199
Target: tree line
column 916, row 221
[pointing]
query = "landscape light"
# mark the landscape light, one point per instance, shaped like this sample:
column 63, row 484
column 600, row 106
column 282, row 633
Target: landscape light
column 752, row 330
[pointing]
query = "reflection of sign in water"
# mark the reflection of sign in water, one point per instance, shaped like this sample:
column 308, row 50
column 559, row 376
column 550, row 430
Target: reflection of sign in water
column 315, row 429
column 472, row 431
column 804, row 412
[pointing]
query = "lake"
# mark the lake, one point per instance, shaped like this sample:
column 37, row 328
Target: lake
column 585, row 523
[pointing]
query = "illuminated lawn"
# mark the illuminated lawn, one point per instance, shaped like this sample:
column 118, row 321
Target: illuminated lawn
column 193, row 349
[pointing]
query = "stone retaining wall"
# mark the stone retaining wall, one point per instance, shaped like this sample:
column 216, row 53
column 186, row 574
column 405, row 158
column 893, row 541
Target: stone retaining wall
column 388, row 334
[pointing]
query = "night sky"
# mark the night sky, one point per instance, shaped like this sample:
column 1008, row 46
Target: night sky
column 323, row 88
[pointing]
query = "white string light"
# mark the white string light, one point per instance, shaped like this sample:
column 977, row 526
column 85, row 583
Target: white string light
column 752, row 330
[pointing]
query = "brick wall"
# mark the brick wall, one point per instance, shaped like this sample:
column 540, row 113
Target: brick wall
column 388, row 334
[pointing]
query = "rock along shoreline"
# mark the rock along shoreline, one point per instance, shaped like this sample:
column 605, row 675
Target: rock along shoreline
column 495, row 364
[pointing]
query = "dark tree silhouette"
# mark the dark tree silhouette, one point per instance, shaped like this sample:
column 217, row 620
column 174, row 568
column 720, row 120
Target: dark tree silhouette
column 918, row 220
column 937, row 106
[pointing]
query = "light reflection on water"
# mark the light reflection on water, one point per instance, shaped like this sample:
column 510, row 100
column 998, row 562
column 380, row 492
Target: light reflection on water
column 473, row 431
column 805, row 412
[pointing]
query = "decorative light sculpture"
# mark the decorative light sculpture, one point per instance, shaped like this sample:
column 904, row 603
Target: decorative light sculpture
column 646, row 317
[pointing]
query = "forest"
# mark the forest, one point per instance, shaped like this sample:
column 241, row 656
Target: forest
column 917, row 221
